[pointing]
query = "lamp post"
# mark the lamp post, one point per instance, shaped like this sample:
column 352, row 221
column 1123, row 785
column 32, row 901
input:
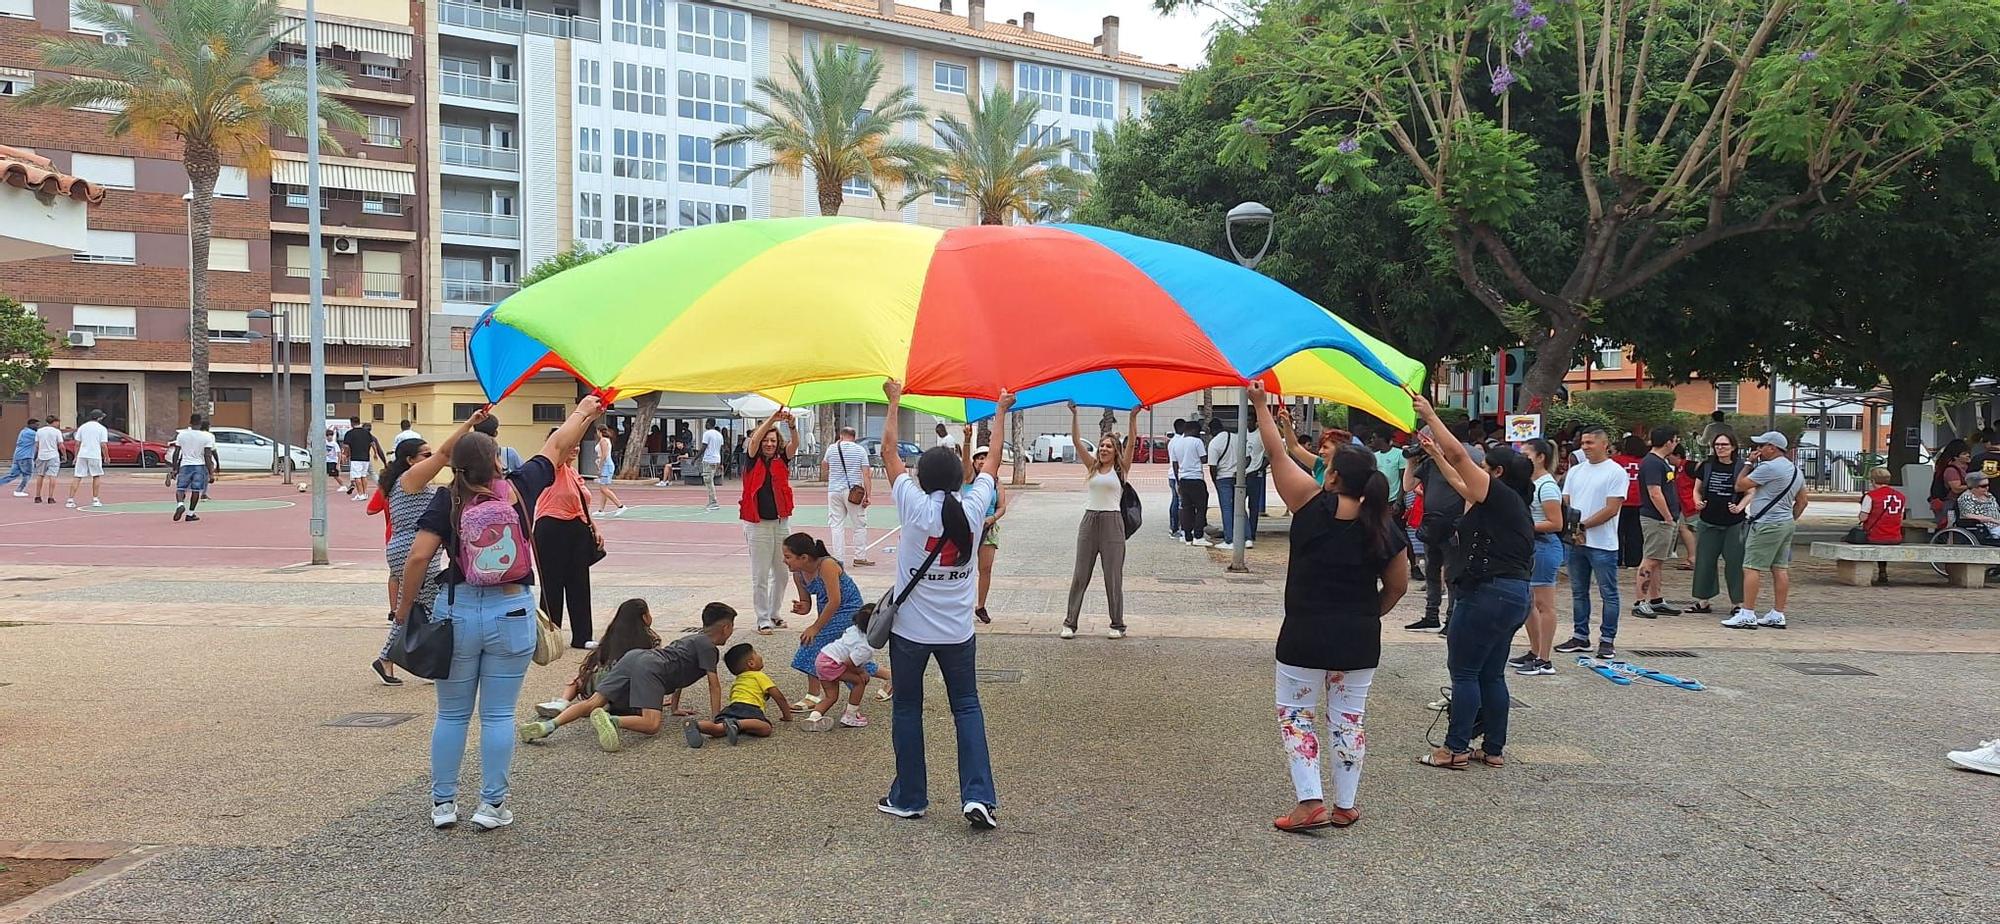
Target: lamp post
column 281, row 387
column 1248, row 217
column 315, row 298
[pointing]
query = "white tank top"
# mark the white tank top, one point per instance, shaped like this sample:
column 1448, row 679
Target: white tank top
column 1105, row 492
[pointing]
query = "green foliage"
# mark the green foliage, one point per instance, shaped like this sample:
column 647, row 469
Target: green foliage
column 1453, row 415
column 1746, row 426
column 1002, row 178
column 1637, row 410
column 25, row 348
column 1331, row 415
column 1689, row 425
column 565, row 260
column 1557, row 417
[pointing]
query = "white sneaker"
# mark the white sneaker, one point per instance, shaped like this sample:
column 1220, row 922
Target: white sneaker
column 20, row 494
column 1067, row 632
column 590, row 646
column 1249, row 543
column 552, row 708
column 619, row 512
column 1211, row 543
column 659, row 484
column 980, row 815
column 1985, row 758
column 488, row 817
column 819, row 721
column 1741, row 619
column 1439, row 705
column 71, row 503
column 444, row 814
column 96, row 502
column 1115, row 634
column 1774, row 619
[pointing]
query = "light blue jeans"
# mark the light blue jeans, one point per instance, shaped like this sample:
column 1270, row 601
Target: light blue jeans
column 493, row 638
column 22, row 470
column 1584, row 564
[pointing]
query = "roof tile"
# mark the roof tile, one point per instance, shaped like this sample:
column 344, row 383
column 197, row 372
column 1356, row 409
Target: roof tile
column 33, row 171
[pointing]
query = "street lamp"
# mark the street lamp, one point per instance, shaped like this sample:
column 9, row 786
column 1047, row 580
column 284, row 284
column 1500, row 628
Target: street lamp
column 281, row 386
column 1249, row 218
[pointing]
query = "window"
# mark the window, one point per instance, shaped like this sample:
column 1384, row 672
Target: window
column 1725, row 396
column 106, row 321
column 636, row 219
column 228, row 325
column 1083, row 156
column 461, row 413
column 15, row 81
column 379, row 71
column 640, row 155
column 385, row 131
column 1612, row 357
column 695, row 214
column 379, row 412
column 867, row 54
column 712, row 98
column 381, row 274
column 639, row 89
column 1092, row 97
column 589, row 82
column 104, row 169
column 297, row 265
column 948, row 193
column 948, row 78
column 232, row 183
column 1040, row 134
column 78, row 24
column 714, row 33
column 590, row 215
column 857, row 187
column 295, row 196
column 108, row 247
column 24, row 9
column 550, row 413
column 1041, row 83
column 639, row 22
column 381, row 204
column 703, row 161
column 590, row 150
column 229, row 255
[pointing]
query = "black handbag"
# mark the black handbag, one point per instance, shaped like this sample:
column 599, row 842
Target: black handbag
column 1128, row 505
column 425, row 645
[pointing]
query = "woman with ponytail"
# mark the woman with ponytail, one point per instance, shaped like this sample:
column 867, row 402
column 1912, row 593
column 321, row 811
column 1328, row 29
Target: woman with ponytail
column 1347, row 571
column 1489, row 562
column 822, row 578
column 937, row 550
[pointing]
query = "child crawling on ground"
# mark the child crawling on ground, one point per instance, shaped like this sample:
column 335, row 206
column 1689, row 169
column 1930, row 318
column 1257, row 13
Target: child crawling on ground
column 630, row 630
column 841, row 661
column 633, row 694
column 745, row 712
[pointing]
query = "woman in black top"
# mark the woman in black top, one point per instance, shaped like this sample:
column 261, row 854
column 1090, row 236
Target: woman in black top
column 1718, row 531
column 1347, row 570
column 1491, row 558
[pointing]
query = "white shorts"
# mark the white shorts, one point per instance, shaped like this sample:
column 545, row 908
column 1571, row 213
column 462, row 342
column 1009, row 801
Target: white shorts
column 49, row 467
column 358, row 470
column 89, row 468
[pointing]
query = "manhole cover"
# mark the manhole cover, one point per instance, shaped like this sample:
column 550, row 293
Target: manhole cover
column 1183, row 581
column 371, row 719
column 999, row 675
column 1663, row 653
column 1822, row 669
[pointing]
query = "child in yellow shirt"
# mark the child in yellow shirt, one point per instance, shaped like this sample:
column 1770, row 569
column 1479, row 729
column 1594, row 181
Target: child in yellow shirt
column 745, row 712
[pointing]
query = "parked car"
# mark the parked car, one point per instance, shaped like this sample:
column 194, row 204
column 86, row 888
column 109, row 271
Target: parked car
column 240, row 450
column 1150, row 449
column 121, row 449
column 907, row 450
column 1057, row 447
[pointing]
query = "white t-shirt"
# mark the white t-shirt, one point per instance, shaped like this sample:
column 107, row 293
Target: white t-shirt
column 194, row 446
column 846, row 463
column 1185, row 451
column 939, row 611
column 405, row 435
column 949, row 439
column 90, row 439
column 711, row 447
column 48, row 443
column 1586, row 487
column 1222, row 454
column 852, row 646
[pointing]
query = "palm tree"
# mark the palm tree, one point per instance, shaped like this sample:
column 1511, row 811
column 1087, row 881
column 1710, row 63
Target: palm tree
column 1006, row 166
column 201, row 71
column 822, row 121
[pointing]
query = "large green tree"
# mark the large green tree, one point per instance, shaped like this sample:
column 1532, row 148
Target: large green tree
column 1003, row 166
column 1643, row 118
column 25, row 348
column 201, row 71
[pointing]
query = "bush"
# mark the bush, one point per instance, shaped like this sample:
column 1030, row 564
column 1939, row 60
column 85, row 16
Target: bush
column 1332, row 415
column 1453, row 416
column 1559, row 417
column 1688, row 424
column 1746, row 426
column 1636, row 410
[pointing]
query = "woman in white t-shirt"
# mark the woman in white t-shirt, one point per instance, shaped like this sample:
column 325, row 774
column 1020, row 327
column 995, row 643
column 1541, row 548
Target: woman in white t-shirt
column 1546, row 511
column 940, row 525
column 1101, row 535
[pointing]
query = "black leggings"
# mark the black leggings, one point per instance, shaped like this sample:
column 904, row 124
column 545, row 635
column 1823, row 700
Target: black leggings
column 563, row 550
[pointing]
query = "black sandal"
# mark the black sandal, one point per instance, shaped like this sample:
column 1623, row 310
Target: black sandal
column 1700, row 607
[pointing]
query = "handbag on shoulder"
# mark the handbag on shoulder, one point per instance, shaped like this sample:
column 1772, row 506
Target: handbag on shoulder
column 425, row 645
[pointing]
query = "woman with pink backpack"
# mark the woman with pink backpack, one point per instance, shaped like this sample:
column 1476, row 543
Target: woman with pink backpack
column 483, row 523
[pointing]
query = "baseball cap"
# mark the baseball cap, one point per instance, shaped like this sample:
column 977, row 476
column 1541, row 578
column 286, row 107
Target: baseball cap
column 1774, row 438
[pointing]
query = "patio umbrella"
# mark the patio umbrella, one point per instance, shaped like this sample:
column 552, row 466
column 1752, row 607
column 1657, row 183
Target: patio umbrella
column 761, row 306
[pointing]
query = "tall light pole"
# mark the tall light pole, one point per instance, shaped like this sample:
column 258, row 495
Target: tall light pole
column 315, row 297
column 1249, row 217
column 281, row 389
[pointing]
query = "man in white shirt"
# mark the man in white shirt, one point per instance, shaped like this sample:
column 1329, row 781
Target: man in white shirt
column 711, row 460
column 950, row 440
column 407, row 434
column 846, row 468
column 1596, row 488
column 90, row 440
column 48, row 460
column 1222, row 467
column 191, row 463
column 1185, row 461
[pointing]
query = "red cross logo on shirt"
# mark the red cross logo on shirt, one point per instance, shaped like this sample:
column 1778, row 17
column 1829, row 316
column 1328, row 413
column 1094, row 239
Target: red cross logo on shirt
column 951, row 557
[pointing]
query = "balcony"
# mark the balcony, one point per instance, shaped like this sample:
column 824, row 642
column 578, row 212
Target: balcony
column 483, row 89
column 477, row 291
column 516, row 22
column 347, row 284
column 485, row 157
column 483, row 224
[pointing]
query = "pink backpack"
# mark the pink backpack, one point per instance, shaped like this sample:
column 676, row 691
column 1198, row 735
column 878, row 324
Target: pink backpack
column 493, row 546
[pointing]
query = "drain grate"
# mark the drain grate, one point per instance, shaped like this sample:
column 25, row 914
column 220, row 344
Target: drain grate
column 999, row 675
column 1177, row 580
column 1825, row 669
column 371, row 719
column 1663, row 653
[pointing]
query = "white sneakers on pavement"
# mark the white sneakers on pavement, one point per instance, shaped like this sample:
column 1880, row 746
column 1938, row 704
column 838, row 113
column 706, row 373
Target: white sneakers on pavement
column 1115, row 634
column 1740, row 619
column 444, row 814
column 1985, row 758
column 1774, row 619
column 489, row 816
column 1067, row 632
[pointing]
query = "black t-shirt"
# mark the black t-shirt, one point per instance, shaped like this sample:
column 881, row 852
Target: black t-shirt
column 1442, row 504
column 529, row 481
column 1333, row 591
column 1654, row 471
column 1718, row 491
column 358, row 442
column 1496, row 539
column 767, row 501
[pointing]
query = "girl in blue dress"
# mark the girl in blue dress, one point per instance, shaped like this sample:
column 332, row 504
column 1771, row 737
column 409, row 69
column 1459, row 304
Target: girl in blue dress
column 823, row 584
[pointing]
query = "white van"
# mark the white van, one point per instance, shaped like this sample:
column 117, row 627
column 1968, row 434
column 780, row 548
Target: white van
column 1056, row 447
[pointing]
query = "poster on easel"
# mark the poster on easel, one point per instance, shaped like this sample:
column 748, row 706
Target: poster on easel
column 1523, row 427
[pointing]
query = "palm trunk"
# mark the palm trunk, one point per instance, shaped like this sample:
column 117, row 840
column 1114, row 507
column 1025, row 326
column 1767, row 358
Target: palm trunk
column 1020, row 450
column 642, row 424
column 202, row 164
column 830, row 194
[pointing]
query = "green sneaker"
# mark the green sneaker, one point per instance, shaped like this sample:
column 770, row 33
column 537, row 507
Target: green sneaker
column 607, row 729
column 531, row 731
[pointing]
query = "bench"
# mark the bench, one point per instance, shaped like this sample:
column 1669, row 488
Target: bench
column 1964, row 565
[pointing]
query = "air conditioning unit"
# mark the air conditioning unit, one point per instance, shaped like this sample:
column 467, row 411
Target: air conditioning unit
column 115, row 38
column 346, row 245
column 82, row 339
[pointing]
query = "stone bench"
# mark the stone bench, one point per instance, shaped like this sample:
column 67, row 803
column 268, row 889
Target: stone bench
column 1964, row 565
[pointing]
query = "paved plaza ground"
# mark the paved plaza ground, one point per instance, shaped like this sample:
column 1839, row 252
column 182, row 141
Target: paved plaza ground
column 172, row 684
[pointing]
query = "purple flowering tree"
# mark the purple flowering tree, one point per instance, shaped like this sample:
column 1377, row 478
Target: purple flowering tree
column 1636, row 125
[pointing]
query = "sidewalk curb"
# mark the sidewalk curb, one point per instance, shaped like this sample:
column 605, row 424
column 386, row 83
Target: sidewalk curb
column 119, row 859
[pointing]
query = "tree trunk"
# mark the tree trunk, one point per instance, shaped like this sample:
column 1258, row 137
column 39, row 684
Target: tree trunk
column 830, row 194
column 202, row 164
column 1906, row 410
column 1106, row 424
column 1207, row 406
column 1554, row 355
column 642, row 424
column 1020, row 449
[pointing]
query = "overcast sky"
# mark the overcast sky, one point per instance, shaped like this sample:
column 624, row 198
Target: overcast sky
column 1178, row 39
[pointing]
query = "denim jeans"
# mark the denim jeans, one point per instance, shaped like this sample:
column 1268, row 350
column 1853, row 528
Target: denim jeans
column 1437, row 536
column 493, row 637
column 1484, row 618
column 1585, row 563
column 1253, row 485
column 20, row 473
column 1173, row 507
column 1225, row 494
column 908, row 660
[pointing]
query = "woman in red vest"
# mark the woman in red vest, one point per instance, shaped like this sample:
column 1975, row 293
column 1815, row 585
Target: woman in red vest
column 766, row 511
column 1882, row 510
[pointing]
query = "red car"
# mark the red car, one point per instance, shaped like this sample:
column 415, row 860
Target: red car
column 121, row 449
column 1150, row 449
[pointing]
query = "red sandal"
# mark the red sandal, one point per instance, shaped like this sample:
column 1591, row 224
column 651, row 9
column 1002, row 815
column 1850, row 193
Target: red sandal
column 1315, row 820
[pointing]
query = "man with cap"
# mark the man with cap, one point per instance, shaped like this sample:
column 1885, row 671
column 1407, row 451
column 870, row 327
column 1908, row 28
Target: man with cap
column 1774, row 501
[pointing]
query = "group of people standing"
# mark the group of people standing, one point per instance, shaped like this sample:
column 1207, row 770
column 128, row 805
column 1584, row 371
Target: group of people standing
column 38, row 455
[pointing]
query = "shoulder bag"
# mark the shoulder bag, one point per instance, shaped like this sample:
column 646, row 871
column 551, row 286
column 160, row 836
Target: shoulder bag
column 884, row 619
column 1786, row 494
column 424, row 646
column 583, row 498
column 1858, row 535
column 855, row 492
